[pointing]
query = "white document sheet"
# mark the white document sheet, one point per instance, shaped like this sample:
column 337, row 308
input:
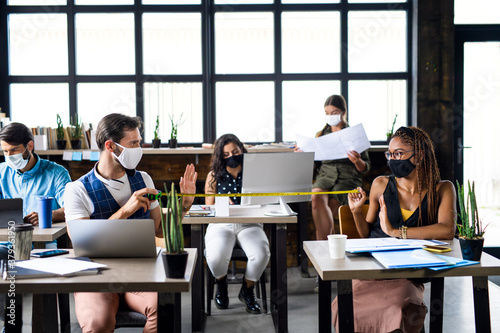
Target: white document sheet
column 60, row 266
column 335, row 145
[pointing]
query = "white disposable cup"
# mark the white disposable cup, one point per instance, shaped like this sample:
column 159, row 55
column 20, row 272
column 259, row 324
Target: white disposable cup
column 336, row 244
column 221, row 206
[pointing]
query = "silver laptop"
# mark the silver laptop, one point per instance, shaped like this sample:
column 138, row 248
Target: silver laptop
column 113, row 238
column 11, row 210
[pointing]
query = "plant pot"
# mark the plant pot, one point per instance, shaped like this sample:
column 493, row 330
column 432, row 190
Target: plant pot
column 174, row 264
column 76, row 144
column 172, row 143
column 471, row 248
column 156, row 143
column 61, row 144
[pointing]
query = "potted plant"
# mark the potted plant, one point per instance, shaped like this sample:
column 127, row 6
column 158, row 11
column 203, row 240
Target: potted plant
column 174, row 257
column 173, row 132
column 60, row 142
column 76, row 133
column 156, row 139
column 391, row 132
column 470, row 230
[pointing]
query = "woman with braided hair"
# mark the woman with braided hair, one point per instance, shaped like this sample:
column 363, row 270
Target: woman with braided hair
column 413, row 202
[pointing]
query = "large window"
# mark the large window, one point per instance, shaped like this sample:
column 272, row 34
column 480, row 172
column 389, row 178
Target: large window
column 260, row 69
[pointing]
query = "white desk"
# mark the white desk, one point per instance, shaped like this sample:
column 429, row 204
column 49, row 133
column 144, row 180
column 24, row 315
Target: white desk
column 121, row 275
column 366, row 267
column 279, row 299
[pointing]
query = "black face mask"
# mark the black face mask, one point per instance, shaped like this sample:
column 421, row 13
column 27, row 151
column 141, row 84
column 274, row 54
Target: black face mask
column 401, row 168
column 234, row 161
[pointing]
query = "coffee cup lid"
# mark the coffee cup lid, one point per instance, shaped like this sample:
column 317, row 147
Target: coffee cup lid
column 23, row 227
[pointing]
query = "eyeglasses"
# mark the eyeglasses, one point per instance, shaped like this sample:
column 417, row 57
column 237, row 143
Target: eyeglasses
column 396, row 155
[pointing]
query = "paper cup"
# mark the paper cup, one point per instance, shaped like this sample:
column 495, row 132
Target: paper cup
column 44, row 207
column 336, row 244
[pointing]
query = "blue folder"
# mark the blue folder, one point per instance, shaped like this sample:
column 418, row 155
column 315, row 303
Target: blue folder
column 457, row 262
column 418, row 258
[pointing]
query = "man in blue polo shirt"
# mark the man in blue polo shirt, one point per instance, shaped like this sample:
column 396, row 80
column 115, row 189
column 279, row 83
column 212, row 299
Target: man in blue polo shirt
column 25, row 175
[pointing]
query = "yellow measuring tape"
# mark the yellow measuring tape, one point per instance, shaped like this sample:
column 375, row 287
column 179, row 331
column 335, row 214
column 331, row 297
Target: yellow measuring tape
column 277, row 194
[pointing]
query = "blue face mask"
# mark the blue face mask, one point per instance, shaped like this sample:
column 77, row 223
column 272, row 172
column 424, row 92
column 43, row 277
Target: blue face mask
column 401, row 168
column 234, row 161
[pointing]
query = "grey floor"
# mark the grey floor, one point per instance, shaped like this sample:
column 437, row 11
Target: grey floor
column 302, row 309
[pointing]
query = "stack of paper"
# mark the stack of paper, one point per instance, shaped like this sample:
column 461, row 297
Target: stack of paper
column 48, row 267
column 200, row 210
column 386, row 244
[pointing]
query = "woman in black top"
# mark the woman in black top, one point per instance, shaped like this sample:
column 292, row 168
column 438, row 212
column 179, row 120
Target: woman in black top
column 225, row 177
column 411, row 203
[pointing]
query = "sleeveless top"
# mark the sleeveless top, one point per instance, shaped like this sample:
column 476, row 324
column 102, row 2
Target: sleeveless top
column 104, row 203
column 391, row 199
column 227, row 184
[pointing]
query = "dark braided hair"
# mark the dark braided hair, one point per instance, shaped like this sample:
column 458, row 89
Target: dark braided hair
column 217, row 164
column 427, row 168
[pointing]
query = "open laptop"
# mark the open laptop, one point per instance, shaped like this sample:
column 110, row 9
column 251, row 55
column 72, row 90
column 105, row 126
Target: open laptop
column 113, row 238
column 11, row 210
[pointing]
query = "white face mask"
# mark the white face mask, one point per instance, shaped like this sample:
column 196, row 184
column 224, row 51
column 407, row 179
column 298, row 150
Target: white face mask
column 333, row 119
column 17, row 162
column 129, row 157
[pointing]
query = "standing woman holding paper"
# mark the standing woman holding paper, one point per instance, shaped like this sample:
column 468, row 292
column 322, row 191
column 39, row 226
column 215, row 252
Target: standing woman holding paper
column 226, row 177
column 335, row 175
column 413, row 202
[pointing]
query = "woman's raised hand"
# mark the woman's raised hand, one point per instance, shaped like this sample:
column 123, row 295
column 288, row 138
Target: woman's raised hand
column 385, row 225
column 357, row 200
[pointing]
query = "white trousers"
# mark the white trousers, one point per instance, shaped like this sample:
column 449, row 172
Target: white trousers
column 220, row 239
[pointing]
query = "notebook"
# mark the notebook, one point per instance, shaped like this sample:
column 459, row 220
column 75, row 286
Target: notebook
column 113, row 238
column 11, row 210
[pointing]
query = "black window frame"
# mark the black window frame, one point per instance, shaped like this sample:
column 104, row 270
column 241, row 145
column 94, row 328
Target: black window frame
column 208, row 78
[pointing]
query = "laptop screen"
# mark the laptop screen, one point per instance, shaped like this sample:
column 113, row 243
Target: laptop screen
column 11, row 210
column 113, row 238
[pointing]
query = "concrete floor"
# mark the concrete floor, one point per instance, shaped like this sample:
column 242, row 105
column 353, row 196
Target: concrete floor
column 302, row 309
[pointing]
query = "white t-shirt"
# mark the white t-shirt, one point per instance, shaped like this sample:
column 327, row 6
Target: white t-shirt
column 78, row 205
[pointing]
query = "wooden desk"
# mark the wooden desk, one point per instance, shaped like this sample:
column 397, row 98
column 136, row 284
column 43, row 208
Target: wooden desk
column 41, row 235
column 366, row 267
column 279, row 299
column 121, row 275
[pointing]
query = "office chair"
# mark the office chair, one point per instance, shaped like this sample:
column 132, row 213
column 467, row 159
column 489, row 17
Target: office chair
column 238, row 254
column 346, row 221
column 125, row 317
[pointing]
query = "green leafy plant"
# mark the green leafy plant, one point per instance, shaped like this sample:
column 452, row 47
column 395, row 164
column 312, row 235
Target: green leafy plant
column 471, row 226
column 171, row 222
column 391, row 132
column 175, row 125
column 157, row 128
column 76, row 128
column 60, row 128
